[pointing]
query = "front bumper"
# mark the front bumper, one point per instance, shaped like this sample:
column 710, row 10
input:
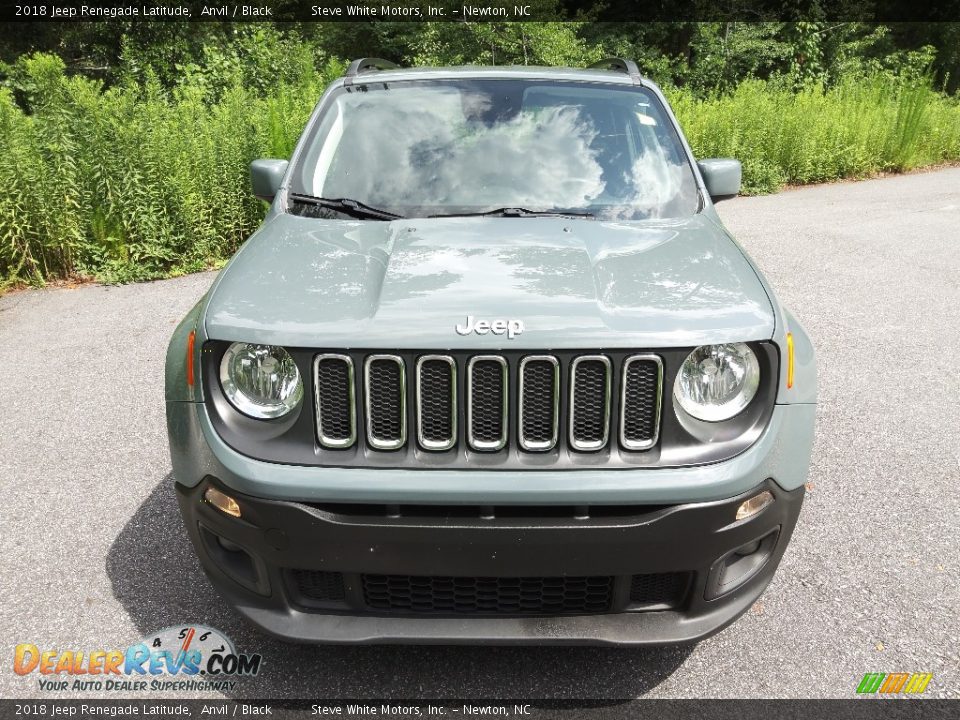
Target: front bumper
column 259, row 562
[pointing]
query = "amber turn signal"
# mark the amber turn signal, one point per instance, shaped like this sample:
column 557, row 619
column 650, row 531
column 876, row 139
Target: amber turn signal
column 222, row 502
column 789, row 360
column 749, row 508
column 191, row 339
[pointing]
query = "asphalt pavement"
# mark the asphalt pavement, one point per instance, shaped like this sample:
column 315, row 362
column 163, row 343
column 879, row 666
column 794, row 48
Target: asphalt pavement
column 93, row 553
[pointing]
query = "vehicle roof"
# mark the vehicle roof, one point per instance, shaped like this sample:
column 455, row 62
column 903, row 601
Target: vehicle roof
column 496, row 71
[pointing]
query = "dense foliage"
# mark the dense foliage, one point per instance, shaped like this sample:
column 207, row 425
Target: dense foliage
column 137, row 168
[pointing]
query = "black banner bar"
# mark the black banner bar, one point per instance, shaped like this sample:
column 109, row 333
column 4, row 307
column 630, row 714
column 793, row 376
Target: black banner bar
column 465, row 11
column 853, row 709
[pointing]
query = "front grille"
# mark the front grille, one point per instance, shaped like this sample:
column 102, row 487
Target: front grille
column 386, row 402
column 556, row 406
column 488, row 595
column 589, row 402
column 437, row 402
column 539, row 402
column 336, row 407
column 640, row 401
column 487, row 402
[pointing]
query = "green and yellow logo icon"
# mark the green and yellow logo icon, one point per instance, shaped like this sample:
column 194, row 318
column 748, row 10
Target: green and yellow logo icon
column 892, row 683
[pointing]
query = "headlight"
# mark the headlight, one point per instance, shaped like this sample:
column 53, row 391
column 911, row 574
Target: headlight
column 261, row 381
column 716, row 382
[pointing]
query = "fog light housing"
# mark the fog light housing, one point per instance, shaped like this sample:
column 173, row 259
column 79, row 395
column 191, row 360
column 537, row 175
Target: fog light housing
column 222, row 502
column 229, row 545
column 234, row 561
column 739, row 566
column 749, row 508
column 748, row 549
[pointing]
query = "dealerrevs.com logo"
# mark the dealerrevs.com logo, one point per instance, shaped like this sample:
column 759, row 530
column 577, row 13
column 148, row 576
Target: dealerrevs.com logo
column 183, row 657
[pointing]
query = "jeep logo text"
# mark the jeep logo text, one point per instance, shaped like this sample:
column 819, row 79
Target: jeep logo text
column 498, row 327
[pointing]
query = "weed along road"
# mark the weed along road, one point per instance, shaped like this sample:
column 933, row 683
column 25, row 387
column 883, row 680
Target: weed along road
column 94, row 543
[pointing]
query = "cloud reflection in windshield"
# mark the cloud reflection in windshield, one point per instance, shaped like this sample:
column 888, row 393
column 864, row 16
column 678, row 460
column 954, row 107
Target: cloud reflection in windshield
column 443, row 148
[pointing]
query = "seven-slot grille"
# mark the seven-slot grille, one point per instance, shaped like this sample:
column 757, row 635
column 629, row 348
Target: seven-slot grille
column 483, row 395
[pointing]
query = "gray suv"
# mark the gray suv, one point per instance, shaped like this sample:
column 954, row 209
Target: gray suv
column 491, row 370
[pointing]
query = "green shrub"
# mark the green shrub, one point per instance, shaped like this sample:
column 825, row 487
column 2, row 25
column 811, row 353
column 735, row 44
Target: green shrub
column 134, row 182
column 141, row 180
column 859, row 127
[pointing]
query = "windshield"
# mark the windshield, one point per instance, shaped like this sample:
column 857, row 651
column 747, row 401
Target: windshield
column 447, row 147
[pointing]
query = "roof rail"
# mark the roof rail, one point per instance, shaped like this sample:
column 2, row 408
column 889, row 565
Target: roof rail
column 618, row 65
column 367, row 64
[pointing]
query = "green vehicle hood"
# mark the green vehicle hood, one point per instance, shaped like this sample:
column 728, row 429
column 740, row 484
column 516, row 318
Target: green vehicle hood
column 406, row 284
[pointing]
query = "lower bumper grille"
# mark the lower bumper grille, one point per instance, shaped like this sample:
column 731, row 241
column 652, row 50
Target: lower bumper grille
column 319, row 585
column 320, row 590
column 658, row 588
column 488, row 595
column 503, row 596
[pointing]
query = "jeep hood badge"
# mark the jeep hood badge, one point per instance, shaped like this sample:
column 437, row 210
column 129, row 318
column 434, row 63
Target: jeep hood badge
column 498, row 327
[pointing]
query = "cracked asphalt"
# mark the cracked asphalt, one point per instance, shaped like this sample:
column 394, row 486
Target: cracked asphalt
column 93, row 554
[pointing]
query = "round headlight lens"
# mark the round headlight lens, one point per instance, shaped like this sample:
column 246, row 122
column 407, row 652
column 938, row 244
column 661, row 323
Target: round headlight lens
column 716, row 382
column 261, row 381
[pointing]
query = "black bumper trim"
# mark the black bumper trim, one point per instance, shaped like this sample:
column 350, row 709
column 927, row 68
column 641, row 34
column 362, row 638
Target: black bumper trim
column 281, row 536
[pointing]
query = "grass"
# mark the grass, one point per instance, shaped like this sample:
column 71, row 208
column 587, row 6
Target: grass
column 859, row 128
column 135, row 182
column 138, row 182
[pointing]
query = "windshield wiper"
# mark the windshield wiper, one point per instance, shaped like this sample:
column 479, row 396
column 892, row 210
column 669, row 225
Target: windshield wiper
column 348, row 206
column 519, row 212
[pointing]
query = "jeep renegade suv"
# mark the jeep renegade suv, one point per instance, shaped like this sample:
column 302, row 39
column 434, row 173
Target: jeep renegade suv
column 491, row 370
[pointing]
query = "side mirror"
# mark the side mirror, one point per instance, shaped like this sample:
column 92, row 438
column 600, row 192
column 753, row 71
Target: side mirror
column 265, row 176
column 722, row 177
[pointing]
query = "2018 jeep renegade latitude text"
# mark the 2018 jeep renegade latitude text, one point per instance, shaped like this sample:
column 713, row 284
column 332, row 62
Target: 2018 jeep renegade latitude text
column 491, row 370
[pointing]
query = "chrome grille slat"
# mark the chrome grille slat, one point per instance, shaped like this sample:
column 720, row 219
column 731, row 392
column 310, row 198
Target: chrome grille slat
column 335, row 400
column 539, row 402
column 436, row 402
column 641, row 395
column 385, row 401
column 487, row 397
column 589, row 402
